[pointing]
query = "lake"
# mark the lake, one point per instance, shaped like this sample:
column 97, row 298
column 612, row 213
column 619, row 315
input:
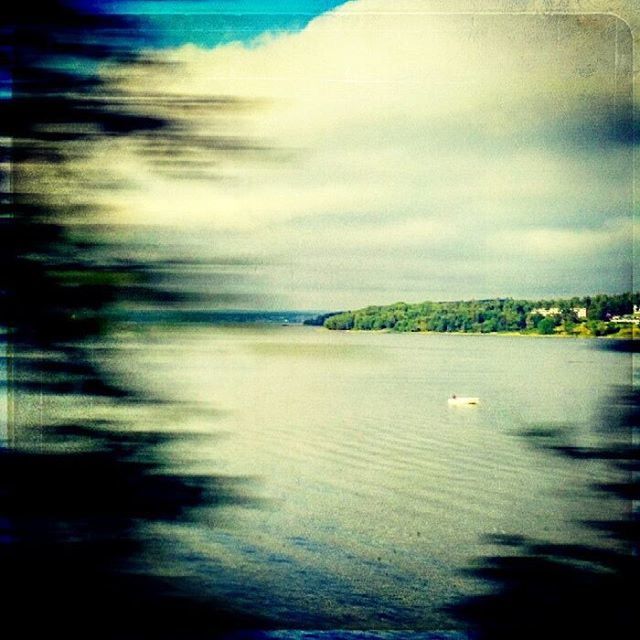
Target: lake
column 369, row 493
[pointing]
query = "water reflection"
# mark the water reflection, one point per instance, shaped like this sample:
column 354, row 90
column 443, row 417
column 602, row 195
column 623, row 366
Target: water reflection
column 87, row 481
column 543, row 590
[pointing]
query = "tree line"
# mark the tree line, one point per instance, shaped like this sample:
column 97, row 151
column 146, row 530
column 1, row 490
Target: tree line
column 589, row 315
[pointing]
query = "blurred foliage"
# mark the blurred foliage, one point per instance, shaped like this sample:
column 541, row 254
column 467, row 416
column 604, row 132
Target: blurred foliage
column 81, row 501
column 549, row 590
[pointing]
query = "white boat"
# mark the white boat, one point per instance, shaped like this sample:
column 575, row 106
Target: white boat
column 463, row 400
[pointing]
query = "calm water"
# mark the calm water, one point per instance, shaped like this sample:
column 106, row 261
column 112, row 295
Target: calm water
column 372, row 493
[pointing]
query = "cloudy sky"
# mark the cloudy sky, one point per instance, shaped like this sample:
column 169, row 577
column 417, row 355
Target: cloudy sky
column 390, row 150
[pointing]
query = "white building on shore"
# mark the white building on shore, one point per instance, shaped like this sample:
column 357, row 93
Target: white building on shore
column 581, row 312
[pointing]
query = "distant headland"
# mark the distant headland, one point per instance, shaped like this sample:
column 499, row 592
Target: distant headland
column 616, row 315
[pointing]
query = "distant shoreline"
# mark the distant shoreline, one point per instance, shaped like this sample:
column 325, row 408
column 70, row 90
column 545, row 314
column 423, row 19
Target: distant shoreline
column 588, row 316
column 615, row 336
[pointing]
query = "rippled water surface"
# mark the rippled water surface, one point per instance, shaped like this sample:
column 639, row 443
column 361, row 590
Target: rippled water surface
column 372, row 493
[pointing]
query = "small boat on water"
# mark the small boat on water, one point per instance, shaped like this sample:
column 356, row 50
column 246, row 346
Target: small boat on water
column 463, row 400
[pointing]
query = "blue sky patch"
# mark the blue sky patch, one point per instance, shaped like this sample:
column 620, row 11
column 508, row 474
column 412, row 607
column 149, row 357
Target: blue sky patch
column 210, row 23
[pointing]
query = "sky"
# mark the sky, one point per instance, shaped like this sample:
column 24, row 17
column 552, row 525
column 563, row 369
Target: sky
column 390, row 150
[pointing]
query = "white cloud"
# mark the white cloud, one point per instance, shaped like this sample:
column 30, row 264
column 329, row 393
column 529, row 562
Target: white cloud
column 444, row 126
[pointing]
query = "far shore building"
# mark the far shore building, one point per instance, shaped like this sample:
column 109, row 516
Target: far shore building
column 634, row 319
column 581, row 312
column 552, row 311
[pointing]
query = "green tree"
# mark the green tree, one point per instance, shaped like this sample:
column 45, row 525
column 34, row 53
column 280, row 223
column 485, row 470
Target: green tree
column 546, row 326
